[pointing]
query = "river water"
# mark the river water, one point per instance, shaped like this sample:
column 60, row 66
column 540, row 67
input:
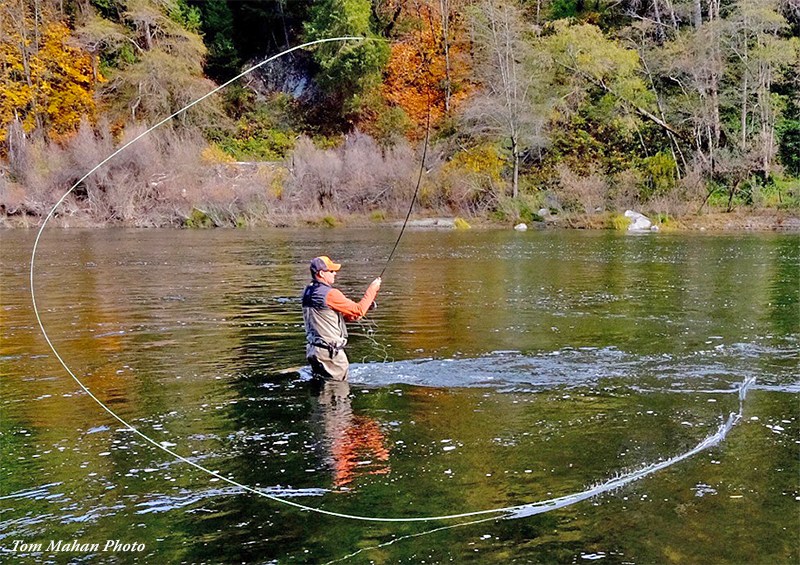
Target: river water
column 499, row 369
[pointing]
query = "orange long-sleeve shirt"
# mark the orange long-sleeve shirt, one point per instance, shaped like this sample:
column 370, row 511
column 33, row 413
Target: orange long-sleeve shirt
column 352, row 311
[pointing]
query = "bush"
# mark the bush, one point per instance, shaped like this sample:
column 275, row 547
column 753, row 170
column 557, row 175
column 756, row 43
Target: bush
column 461, row 224
column 661, row 175
column 780, row 193
column 519, row 209
column 199, row 219
column 587, row 192
column 472, row 179
column 619, row 222
column 357, row 176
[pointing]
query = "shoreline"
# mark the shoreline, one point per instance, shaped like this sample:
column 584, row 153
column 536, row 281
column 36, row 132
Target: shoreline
column 783, row 221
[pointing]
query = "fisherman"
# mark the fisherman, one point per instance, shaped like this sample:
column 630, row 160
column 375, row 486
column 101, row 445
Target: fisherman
column 325, row 310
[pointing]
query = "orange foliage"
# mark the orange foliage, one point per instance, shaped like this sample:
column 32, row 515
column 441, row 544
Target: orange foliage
column 416, row 75
column 47, row 83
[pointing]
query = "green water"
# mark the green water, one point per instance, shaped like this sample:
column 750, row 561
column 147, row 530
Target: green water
column 500, row 368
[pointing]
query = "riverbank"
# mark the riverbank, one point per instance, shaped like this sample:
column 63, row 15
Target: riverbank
column 764, row 220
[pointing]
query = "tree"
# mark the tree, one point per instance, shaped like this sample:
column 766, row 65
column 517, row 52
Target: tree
column 46, row 82
column 759, row 57
column 223, row 58
column 349, row 69
column 167, row 72
column 507, row 71
column 427, row 67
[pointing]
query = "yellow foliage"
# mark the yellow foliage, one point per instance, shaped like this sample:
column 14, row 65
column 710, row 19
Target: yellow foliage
column 483, row 160
column 276, row 183
column 48, row 83
column 461, row 224
column 215, row 156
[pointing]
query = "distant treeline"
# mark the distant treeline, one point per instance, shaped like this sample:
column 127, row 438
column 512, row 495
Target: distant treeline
column 577, row 106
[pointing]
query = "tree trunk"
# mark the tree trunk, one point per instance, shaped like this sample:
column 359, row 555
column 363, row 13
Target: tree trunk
column 515, row 155
column 445, row 8
column 698, row 14
column 662, row 37
column 744, row 112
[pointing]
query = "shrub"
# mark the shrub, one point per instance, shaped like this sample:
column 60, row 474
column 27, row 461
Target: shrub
column 461, row 224
column 215, row 156
column 665, row 222
column 329, row 222
column 199, row 219
column 661, row 176
column 357, row 176
column 519, row 209
column 589, row 192
column 619, row 222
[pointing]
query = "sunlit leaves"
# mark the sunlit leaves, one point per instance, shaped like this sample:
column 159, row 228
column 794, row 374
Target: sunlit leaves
column 47, row 83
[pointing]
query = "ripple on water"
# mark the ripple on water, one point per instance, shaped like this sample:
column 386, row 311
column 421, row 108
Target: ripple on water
column 609, row 367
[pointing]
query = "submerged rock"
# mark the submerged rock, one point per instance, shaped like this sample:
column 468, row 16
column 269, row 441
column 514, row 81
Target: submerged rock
column 639, row 222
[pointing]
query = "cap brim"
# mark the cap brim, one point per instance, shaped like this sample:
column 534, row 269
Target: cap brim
column 334, row 267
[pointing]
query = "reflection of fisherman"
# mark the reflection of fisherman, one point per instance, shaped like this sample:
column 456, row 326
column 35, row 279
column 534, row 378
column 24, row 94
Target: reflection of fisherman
column 325, row 310
column 355, row 445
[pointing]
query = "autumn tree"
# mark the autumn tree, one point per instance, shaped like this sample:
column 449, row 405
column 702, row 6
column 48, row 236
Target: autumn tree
column 46, row 81
column 429, row 64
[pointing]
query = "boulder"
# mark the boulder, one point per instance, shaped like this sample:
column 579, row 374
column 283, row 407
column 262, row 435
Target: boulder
column 639, row 222
column 543, row 212
column 430, row 223
column 521, row 227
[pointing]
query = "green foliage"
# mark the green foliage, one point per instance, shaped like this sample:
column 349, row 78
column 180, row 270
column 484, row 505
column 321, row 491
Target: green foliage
column 391, row 125
column 263, row 132
column 666, row 222
column 789, row 141
column 660, row 175
column 348, row 70
column 521, row 209
column 187, row 16
column 619, row 222
column 223, row 58
column 199, row 220
column 780, row 193
column 265, row 145
column 329, row 222
column 563, row 9
column 377, row 216
column 583, row 52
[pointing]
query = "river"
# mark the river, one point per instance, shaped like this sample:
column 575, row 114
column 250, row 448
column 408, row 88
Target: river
column 498, row 369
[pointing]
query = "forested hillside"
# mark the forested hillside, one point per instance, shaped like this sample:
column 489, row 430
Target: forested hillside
column 581, row 107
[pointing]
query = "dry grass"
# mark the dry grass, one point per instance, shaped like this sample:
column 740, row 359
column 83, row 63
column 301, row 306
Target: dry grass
column 171, row 179
column 587, row 191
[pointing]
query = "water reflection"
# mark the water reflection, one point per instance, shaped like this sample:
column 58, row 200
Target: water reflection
column 354, row 444
column 528, row 366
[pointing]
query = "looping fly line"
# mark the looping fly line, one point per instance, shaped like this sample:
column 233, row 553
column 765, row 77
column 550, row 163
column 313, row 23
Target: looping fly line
column 509, row 511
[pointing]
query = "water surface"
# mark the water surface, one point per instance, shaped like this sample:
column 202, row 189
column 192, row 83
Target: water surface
column 499, row 368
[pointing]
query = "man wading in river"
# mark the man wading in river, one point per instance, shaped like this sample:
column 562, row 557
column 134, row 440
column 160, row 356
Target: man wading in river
column 325, row 310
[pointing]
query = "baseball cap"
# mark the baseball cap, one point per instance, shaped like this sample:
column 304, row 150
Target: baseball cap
column 323, row 263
